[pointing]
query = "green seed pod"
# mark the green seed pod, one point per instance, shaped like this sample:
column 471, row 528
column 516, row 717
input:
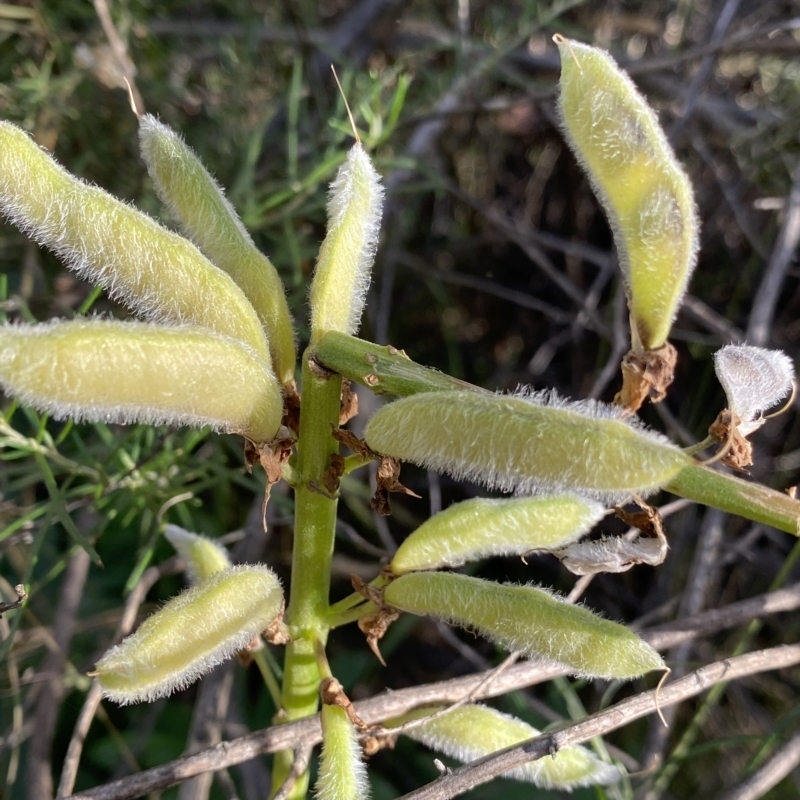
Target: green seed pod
column 342, row 772
column 124, row 372
column 646, row 194
column 485, row 527
column 202, row 555
column 155, row 272
column 530, row 443
column 342, row 276
column 200, row 628
column 474, row 731
column 210, row 221
column 527, row 620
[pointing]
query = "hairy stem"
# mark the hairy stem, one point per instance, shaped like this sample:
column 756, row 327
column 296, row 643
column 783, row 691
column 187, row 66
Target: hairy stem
column 314, row 527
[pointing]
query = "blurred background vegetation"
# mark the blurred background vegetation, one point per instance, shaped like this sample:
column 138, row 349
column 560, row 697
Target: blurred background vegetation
column 496, row 265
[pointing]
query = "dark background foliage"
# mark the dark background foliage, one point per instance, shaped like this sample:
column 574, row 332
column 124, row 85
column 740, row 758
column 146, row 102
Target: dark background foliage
column 496, row 265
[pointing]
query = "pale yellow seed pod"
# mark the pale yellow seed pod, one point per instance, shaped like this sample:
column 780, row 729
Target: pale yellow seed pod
column 342, row 276
column 210, row 221
column 202, row 555
column 200, row 628
column 646, row 195
column 474, row 731
column 155, row 272
column 123, row 372
column 485, row 527
column 530, row 443
column 342, row 772
column 527, row 620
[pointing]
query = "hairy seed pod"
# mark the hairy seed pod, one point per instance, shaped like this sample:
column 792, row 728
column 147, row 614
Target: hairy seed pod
column 474, row 731
column 200, row 628
column 342, row 772
column 342, row 276
column 485, row 527
column 202, row 555
column 646, row 195
column 124, row 372
column 527, row 620
column 210, row 221
column 530, row 443
column 155, row 272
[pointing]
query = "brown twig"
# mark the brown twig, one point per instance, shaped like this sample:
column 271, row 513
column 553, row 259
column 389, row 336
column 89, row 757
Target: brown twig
column 308, row 732
column 490, row 767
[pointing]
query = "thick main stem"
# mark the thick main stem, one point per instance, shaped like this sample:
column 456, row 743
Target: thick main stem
column 314, row 529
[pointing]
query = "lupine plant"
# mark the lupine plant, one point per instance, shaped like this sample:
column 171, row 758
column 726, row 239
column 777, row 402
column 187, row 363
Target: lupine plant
column 216, row 348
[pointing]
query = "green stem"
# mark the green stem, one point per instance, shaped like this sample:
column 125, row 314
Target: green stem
column 382, row 369
column 386, row 370
column 314, row 527
column 750, row 500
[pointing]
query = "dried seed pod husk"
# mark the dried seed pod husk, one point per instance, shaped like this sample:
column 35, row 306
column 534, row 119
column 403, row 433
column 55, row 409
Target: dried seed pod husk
column 200, row 628
column 342, row 772
column 646, row 194
column 203, row 556
column 155, row 272
column 342, row 275
column 210, row 221
column 530, row 443
column 107, row 371
column 527, row 620
column 474, row 731
column 484, row 527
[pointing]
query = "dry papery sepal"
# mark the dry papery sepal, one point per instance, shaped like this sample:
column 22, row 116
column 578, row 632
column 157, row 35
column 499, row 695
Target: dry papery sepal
column 527, row 620
column 473, row 731
column 528, row 442
column 196, row 630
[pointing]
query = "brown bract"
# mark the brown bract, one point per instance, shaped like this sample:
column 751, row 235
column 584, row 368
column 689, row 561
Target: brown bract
column 387, row 482
column 374, row 625
column 739, row 451
column 646, row 375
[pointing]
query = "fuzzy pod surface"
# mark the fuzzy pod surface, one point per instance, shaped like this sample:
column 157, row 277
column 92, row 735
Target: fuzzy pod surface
column 342, row 275
column 200, row 628
column 203, row 556
column 342, row 771
column 474, row 731
column 210, row 221
column 527, row 620
column 484, row 527
column 155, row 272
column 99, row 370
column 530, row 443
column 646, row 194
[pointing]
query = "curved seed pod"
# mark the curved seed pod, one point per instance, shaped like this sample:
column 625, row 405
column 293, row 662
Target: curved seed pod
column 530, row 443
column 486, row 527
column 210, row 221
column 155, row 272
column 527, row 620
column 646, row 194
column 474, row 731
column 342, row 276
column 124, row 372
column 200, row 628
column 342, row 772
column 202, row 555
column 754, row 379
